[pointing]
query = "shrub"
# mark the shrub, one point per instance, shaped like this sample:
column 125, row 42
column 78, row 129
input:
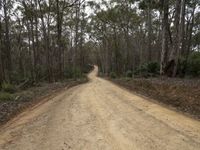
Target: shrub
column 73, row 73
column 7, row 87
column 68, row 73
column 77, row 73
column 88, row 68
column 113, row 75
column 153, row 67
column 193, row 65
column 16, row 77
column 129, row 74
column 148, row 69
column 141, row 71
column 4, row 96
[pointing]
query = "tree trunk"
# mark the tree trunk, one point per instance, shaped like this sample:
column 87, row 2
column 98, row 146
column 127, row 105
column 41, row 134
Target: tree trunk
column 81, row 63
column 33, row 48
column 7, row 52
column 77, row 13
column 164, row 51
column 46, row 43
column 182, row 28
column 19, row 42
column 59, row 34
column 191, row 25
column 36, row 43
column 149, row 33
column 174, row 57
column 1, row 63
column 29, row 48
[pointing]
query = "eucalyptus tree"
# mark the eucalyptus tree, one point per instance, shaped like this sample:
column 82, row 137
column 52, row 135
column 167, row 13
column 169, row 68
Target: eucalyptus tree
column 1, row 46
column 6, row 6
column 130, row 33
column 178, row 30
column 34, row 36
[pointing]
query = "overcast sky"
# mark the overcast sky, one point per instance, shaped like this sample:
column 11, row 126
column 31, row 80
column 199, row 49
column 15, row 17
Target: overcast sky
column 88, row 9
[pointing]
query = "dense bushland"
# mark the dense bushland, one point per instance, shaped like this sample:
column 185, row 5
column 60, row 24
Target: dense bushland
column 43, row 41
column 147, row 38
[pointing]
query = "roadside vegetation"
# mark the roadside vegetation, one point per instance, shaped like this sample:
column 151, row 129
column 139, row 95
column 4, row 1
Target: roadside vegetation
column 42, row 41
column 151, row 69
column 12, row 104
column 17, row 98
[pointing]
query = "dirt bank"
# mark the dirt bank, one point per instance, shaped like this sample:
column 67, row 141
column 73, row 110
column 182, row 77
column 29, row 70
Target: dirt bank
column 183, row 95
column 28, row 98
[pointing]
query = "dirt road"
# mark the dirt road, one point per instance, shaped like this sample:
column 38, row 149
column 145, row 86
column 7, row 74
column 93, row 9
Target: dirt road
column 100, row 116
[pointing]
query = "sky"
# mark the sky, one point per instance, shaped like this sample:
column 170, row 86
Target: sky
column 88, row 9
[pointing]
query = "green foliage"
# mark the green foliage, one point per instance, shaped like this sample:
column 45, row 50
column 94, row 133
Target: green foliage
column 113, row 75
column 193, row 65
column 153, row 67
column 17, row 77
column 87, row 68
column 7, row 87
column 73, row 73
column 129, row 74
column 142, row 71
column 153, row 4
column 148, row 69
column 182, row 64
column 4, row 96
column 76, row 72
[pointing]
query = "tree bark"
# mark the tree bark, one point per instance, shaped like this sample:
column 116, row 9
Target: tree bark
column 190, row 29
column 164, row 51
column 59, row 34
column 149, row 32
column 46, row 43
column 175, row 53
column 7, row 52
column 77, row 13
column 33, row 48
column 182, row 28
column 36, row 41
column 1, row 63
